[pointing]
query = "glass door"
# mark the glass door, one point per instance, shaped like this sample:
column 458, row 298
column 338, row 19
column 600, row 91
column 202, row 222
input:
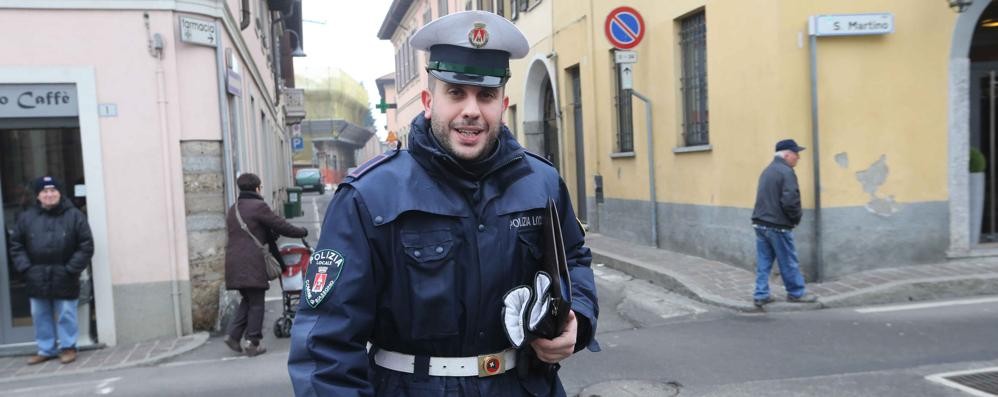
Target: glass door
column 30, row 148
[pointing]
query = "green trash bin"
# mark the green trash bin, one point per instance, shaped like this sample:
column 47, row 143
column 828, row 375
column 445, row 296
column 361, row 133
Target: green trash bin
column 292, row 206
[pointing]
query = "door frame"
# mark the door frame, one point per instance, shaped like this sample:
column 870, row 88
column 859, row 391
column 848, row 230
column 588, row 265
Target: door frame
column 84, row 78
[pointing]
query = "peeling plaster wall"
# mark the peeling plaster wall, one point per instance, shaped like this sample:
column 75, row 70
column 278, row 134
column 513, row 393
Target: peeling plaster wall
column 855, row 238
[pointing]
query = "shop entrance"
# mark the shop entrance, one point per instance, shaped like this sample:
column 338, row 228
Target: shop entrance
column 29, row 148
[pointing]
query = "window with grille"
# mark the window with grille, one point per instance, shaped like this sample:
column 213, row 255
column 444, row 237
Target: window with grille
column 625, row 122
column 693, row 83
column 442, row 8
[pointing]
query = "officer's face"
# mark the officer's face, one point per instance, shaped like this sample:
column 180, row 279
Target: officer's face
column 49, row 197
column 465, row 119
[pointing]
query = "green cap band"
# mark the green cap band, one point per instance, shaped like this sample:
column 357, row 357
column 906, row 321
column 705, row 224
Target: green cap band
column 456, row 68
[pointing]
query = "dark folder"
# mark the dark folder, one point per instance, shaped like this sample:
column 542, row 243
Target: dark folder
column 556, row 265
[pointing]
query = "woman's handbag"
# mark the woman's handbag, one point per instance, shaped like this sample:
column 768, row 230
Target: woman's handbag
column 269, row 261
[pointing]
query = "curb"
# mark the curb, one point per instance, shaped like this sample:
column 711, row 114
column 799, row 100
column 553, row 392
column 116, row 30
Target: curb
column 196, row 341
column 672, row 282
column 912, row 290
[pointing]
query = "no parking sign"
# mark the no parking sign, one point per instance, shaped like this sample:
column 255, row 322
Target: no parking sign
column 624, row 27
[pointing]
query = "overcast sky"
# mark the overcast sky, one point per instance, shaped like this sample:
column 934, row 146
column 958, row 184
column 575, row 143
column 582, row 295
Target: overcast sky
column 344, row 34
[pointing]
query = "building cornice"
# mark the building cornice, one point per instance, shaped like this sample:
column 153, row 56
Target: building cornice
column 394, row 17
column 210, row 8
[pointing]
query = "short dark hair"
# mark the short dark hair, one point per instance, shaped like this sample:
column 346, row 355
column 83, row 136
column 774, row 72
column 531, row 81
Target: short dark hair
column 248, row 182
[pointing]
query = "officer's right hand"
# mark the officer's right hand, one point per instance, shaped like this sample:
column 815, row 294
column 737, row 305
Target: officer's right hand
column 554, row 350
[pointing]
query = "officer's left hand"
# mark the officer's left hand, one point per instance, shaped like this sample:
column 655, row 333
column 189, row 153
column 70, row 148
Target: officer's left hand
column 554, row 350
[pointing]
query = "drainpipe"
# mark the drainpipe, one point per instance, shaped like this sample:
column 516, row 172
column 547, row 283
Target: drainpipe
column 171, row 228
column 651, row 168
column 223, row 111
column 819, row 267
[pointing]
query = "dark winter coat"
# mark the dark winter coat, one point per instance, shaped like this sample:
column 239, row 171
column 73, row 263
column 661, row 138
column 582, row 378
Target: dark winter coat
column 52, row 247
column 244, row 266
column 777, row 200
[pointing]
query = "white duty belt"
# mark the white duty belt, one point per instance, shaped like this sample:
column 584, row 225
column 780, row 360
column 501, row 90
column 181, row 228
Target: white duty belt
column 481, row 366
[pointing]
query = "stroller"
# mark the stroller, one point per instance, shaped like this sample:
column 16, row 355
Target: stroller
column 296, row 257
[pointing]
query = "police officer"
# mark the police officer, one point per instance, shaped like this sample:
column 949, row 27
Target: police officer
column 418, row 247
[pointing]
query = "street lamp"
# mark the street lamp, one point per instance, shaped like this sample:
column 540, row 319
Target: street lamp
column 299, row 52
column 959, row 5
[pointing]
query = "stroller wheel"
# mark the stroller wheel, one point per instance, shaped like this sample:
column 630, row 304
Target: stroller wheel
column 282, row 327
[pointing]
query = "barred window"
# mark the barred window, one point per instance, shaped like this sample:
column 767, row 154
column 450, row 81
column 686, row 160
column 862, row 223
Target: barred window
column 442, row 8
column 625, row 122
column 693, row 45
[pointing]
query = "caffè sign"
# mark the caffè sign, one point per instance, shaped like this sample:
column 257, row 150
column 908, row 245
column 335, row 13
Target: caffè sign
column 38, row 100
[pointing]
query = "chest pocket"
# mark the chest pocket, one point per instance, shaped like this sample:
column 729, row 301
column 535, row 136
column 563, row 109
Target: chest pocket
column 433, row 282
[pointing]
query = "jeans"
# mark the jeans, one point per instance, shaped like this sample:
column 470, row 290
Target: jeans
column 54, row 318
column 778, row 244
column 249, row 316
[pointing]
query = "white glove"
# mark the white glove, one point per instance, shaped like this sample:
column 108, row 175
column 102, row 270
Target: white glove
column 524, row 308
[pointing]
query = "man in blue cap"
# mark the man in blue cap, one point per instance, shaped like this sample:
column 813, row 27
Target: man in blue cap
column 777, row 211
column 404, row 294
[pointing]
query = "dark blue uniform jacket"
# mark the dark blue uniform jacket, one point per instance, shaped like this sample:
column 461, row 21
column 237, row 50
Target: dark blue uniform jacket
column 426, row 250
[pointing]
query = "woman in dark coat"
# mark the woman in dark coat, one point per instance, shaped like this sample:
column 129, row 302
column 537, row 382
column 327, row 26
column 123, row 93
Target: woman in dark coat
column 245, row 269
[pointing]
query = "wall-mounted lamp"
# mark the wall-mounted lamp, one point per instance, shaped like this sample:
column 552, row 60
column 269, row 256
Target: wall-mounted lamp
column 298, row 51
column 959, row 5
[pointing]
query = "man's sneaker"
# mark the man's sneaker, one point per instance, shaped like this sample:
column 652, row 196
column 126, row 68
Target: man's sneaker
column 762, row 302
column 38, row 359
column 67, row 356
column 806, row 298
column 255, row 350
column 232, row 344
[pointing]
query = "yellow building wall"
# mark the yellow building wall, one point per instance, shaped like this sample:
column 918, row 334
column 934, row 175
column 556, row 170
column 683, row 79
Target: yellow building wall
column 878, row 95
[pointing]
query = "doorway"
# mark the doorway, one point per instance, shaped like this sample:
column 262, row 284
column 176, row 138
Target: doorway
column 580, row 147
column 983, row 87
column 30, row 148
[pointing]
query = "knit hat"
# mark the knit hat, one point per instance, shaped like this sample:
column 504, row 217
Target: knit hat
column 44, row 182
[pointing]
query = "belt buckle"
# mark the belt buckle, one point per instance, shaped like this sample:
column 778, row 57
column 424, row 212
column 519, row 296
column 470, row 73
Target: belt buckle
column 491, row 365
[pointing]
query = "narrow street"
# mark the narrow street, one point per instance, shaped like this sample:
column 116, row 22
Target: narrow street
column 650, row 335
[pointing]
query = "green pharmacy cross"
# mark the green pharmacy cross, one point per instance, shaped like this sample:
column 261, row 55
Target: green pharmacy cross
column 384, row 106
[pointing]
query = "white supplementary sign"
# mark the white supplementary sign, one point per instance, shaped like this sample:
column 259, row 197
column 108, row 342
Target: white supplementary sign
column 851, row 24
column 626, row 76
column 198, row 31
column 625, row 56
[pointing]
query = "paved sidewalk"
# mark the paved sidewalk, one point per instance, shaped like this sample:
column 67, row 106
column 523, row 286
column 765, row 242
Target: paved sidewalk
column 729, row 286
column 14, row 368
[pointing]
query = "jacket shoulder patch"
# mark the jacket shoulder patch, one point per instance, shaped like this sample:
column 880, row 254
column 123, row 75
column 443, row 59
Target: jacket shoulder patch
column 539, row 157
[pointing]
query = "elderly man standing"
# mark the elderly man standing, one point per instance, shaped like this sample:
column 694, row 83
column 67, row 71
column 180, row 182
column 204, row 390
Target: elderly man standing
column 419, row 247
column 52, row 245
column 777, row 211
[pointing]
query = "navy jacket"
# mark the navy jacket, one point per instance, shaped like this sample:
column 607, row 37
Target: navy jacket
column 777, row 200
column 52, row 247
column 419, row 253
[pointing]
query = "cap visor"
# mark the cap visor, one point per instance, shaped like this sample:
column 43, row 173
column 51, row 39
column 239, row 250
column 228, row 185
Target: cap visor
column 467, row 79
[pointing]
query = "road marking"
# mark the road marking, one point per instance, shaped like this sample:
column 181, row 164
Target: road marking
column 941, row 379
column 102, row 386
column 273, row 298
column 318, row 221
column 928, row 305
column 195, row 362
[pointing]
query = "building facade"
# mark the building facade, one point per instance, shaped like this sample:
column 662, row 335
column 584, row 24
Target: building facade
column 147, row 111
column 675, row 161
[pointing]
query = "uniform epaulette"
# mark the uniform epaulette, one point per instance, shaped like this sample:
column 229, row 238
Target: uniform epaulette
column 539, row 157
column 375, row 161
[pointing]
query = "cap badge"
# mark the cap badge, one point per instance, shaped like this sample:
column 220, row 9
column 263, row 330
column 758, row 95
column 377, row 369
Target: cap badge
column 478, row 36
